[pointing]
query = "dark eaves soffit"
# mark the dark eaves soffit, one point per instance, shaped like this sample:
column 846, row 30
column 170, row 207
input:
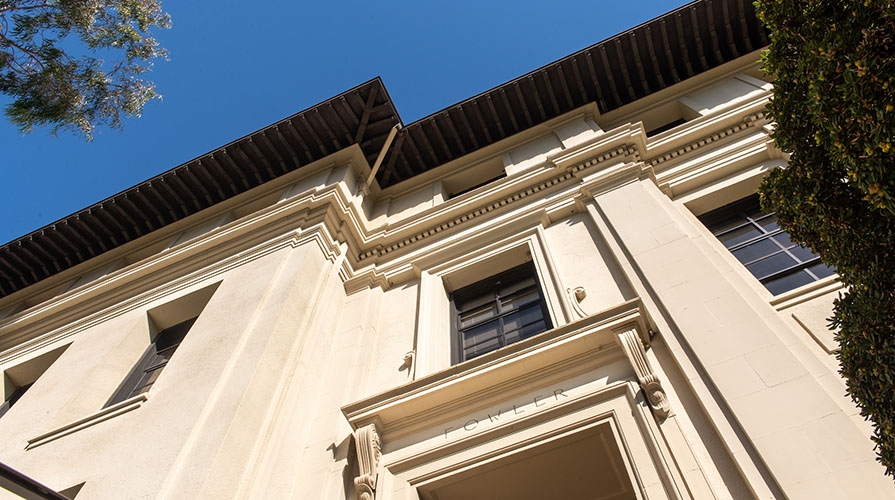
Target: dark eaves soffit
column 617, row 71
column 363, row 115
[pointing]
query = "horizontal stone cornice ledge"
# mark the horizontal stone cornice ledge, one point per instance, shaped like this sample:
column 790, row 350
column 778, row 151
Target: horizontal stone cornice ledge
column 500, row 209
column 447, row 217
column 241, row 239
column 754, row 121
column 625, row 140
column 406, row 265
column 808, row 292
column 618, row 146
column 630, row 140
column 497, row 376
column 614, row 177
column 618, row 389
column 706, row 129
column 726, row 159
column 138, row 285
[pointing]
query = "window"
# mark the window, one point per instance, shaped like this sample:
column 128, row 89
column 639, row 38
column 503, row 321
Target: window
column 667, row 126
column 150, row 366
column 755, row 239
column 13, row 398
column 18, row 379
column 495, row 312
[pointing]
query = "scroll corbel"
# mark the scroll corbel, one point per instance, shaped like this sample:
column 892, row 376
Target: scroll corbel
column 369, row 453
column 649, row 382
column 576, row 295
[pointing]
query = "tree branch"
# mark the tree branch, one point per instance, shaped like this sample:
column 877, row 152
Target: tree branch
column 33, row 56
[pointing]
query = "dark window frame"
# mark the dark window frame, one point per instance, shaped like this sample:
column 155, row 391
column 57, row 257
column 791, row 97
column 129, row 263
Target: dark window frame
column 756, row 240
column 156, row 357
column 14, row 397
column 497, row 293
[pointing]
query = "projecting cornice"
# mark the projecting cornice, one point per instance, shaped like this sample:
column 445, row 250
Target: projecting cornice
column 612, row 73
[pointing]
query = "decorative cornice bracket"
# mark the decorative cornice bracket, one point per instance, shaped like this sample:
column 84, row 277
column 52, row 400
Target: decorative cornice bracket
column 649, row 382
column 369, row 453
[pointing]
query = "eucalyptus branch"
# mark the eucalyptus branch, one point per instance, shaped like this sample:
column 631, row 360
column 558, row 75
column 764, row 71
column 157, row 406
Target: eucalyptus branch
column 50, row 83
column 32, row 55
column 17, row 8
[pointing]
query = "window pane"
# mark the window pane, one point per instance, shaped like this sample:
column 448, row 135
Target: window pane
column 788, row 282
column 171, row 337
column 526, row 331
column 739, row 235
column 775, row 263
column 755, row 251
column 532, row 329
column 803, row 254
column 508, row 287
column 727, row 223
column 480, row 349
column 478, row 315
column 140, row 390
column 523, row 317
column 154, row 360
column 469, row 303
column 520, row 299
column 784, row 240
column 767, row 252
column 13, row 398
column 481, row 333
column 768, row 222
column 821, row 270
column 498, row 311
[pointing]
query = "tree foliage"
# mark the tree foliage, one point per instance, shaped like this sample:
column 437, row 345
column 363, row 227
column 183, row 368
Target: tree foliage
column 834, row 106
column 76, row 64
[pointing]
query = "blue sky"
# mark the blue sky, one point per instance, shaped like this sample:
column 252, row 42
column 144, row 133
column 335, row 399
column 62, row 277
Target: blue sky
column 234, row 70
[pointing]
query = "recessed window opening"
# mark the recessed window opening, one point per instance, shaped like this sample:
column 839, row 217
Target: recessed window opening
column 13, row 398
column 154, row 360
column 756, row 240
column 498, row 311
column 474, row 177
column 489, row 181
column 172, row 322
column 663, row 117
column 668, row 126
column 19, row 379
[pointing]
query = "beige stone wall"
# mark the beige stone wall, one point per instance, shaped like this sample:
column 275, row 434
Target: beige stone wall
column 330, row 311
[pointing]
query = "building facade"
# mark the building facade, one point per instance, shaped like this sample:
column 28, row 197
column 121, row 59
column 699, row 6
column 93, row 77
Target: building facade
column 560, row 288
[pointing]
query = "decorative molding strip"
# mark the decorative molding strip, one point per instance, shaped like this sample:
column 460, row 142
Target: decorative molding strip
column 807, row 292
column 369, row 454
column 89, row 421
column 747, row 122
column 649, row 382
column 613, row 391
column 380, row 250
column 292, row 239
column 627, row 149
column 547, row 357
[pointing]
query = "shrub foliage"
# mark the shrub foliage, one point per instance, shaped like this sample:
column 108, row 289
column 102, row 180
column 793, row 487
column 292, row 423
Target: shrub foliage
column 833, row 62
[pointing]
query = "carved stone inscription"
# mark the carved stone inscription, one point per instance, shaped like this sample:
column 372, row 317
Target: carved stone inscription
column 493, row 417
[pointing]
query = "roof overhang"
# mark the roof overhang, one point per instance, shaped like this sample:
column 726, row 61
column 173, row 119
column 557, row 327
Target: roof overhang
column 612, row 73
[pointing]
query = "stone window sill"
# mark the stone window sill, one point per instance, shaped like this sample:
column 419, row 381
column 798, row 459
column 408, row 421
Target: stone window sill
column 100, row 416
